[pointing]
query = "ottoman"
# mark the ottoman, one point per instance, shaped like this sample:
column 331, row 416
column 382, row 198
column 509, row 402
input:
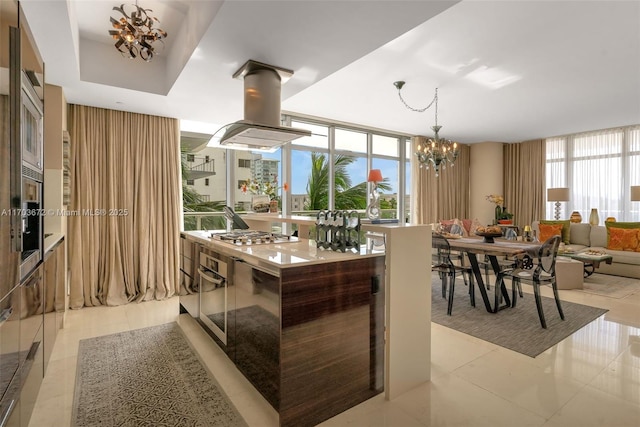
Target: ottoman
column 569, row 273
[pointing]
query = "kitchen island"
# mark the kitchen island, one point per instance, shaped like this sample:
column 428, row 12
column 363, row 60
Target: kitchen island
column 303, row 325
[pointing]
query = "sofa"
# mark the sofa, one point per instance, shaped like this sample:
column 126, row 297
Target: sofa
column 583, row 237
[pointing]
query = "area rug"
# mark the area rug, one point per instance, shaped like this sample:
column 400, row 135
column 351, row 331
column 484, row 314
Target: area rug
column 518, row 328
column 147, row 377
column 611, row 286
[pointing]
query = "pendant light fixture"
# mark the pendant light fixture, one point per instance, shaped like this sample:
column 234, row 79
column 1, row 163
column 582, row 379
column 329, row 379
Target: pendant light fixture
column 438, row 152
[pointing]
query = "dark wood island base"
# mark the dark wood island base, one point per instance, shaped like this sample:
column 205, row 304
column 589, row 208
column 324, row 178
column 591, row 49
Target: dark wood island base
column 332, row 341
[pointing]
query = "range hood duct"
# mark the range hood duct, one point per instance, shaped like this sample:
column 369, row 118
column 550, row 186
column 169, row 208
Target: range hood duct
column 261, row 128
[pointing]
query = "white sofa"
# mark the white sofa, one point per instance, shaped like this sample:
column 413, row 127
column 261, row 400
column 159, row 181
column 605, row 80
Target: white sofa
column 583, row 237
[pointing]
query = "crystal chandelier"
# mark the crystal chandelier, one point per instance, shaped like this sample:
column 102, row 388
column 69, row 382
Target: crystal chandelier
column 134, row 33
column 438, row 151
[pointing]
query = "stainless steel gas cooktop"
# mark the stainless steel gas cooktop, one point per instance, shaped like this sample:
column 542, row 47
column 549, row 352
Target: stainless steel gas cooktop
column 252, row 237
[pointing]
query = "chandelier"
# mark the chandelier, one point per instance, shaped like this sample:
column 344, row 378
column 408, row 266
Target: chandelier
column 438, row 151
column 134, row 33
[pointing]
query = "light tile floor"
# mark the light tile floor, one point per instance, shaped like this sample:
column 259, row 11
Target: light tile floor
column 592, row 378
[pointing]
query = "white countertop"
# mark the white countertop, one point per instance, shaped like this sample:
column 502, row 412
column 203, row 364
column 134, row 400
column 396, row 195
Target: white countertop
column 281, row 255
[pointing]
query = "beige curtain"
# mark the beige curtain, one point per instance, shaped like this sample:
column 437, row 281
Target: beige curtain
column 524, row 180
column 124, row 234
column 443, row 197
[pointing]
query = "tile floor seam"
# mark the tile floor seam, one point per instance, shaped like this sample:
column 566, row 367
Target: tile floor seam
column 502, row 398
column 593, row 387
column 632, row 403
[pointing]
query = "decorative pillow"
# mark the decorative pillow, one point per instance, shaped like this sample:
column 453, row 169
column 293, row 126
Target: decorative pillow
column 624, row 239
column 549, row 230
column 474, row 226
column 566, row 228
column 446, row 224
column 466, row 224
column 623, row 236
column 460, row 223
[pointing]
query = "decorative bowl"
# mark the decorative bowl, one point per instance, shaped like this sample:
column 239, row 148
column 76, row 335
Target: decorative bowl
column 488, row 237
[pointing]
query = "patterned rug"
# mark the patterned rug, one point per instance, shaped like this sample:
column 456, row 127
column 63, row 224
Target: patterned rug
column 518, row 328
column 611, row 286
column 147, row 377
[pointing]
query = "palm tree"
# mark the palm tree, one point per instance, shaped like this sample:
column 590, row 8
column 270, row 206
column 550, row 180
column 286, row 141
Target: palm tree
column 346, row 195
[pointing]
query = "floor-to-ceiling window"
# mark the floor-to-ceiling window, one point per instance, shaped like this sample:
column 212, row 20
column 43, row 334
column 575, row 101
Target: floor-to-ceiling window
column 327, row 170
column 342, row 156
column 598, row 168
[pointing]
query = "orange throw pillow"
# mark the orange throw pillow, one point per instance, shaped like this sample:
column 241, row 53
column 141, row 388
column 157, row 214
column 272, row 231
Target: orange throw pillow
column 624, row 239
column 548, row 230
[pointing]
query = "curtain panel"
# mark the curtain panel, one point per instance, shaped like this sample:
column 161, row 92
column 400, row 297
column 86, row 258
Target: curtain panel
column 524, row 180
column 443, row 197
column 124, row 224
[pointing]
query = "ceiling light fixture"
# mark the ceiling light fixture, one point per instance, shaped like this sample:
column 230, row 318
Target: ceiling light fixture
column 134, row 33
column 438, row 151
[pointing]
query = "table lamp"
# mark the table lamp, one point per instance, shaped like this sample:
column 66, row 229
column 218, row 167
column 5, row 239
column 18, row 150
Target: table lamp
column 558, row 195
column 373, row 209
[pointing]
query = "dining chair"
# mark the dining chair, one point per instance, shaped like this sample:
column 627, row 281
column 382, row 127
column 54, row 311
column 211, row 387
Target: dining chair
column 544, row 272
column 447, row 270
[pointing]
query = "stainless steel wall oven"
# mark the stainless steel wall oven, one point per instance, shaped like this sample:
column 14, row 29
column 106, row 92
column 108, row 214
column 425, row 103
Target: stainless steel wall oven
column 215, row 299
column 32, row 149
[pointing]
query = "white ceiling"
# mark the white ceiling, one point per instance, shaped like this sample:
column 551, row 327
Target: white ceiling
column 506, row 70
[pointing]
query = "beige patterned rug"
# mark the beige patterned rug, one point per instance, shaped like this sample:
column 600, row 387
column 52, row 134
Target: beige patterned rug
column 611, row 286
column 147, row 377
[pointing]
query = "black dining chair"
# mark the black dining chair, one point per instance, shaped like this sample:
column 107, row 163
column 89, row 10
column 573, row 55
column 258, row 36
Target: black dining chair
column 544, row 272
column 447, row 270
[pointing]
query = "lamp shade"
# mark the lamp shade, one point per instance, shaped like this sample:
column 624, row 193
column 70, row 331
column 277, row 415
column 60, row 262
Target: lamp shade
column 558, row 194
column 375, row 175
column 635, row 193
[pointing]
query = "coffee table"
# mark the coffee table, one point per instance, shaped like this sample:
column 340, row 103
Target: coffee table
column 591, row 262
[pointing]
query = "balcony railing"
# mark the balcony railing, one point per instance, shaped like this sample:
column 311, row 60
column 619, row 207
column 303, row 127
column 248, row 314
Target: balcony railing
column 201, row 170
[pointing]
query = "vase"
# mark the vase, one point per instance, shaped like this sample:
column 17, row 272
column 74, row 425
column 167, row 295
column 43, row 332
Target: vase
column 273, row 206
column 575, row 217
column 498, row 213
column 594, row 219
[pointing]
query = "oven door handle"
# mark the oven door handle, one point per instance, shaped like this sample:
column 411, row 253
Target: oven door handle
column 15, row 143
column 205, row 276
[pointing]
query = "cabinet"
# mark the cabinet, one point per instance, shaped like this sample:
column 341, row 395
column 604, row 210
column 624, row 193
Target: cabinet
column 189, row 298
column 31, row 342
column 54, row 296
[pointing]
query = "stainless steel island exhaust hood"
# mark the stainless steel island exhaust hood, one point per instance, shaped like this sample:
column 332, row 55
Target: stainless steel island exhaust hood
column 261, row 128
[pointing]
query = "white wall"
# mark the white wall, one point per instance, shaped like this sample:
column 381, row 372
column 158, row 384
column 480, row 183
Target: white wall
column 486, row 173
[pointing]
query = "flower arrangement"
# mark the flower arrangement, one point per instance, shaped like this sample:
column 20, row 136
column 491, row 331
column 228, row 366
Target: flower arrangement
column 501, row 211
column 494, row 198
column 268, row 188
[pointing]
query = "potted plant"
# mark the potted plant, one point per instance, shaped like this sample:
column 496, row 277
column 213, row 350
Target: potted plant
column 505, row 217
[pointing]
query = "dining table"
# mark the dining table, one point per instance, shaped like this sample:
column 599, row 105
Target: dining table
column 474, row 246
